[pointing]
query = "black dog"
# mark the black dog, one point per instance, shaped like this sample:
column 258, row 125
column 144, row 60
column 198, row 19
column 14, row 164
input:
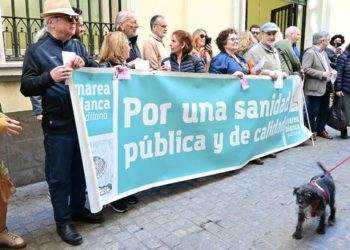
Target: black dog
column 315, row 196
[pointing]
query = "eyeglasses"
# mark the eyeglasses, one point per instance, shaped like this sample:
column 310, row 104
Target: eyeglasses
column 202, row 36
column 163, row 26
column 233, row 39
column 255, row 33
column 70, row 19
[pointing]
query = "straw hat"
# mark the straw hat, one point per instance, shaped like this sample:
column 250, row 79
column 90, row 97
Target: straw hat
column 52, row 7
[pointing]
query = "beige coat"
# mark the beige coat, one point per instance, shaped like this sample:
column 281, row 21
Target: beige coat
column 154, row 51
column 314, row 84
column 259, row 51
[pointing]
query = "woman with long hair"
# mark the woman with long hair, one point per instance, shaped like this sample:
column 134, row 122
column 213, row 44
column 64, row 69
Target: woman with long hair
column 246, row 41
column 201, row 44
column 114, row 52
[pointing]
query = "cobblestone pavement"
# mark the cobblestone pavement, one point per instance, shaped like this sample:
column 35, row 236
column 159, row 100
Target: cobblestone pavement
column 252, row 208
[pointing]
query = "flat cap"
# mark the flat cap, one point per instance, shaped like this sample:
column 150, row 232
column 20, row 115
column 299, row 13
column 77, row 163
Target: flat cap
column 268, row 27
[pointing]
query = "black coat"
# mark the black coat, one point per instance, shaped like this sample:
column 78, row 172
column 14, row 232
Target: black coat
column 40, row 58
column 134, row 50
column 188, row 63
column 332, row 57
column 343, row 69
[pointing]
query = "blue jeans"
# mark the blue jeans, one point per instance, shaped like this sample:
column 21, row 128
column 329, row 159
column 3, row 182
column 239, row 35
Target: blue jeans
column 317, row 108
column 64, row 175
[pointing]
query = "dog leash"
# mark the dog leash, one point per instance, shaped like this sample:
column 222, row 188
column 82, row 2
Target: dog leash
column 316, row 185
column 338, row 165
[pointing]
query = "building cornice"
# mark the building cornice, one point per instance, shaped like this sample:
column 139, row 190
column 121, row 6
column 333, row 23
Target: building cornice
column 10, row 71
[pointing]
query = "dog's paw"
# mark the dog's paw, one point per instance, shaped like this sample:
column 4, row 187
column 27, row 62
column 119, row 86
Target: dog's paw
column 321, row 230
column 297, row 236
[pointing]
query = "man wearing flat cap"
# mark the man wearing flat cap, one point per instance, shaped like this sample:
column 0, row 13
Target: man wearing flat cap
column 44, row 74
column 265, row 49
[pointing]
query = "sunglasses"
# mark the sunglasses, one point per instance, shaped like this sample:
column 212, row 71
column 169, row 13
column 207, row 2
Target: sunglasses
column 202, row 36
column 255, row 33
column 70, row 19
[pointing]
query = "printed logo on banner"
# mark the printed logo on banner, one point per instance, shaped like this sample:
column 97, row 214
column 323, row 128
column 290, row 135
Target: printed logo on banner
column 96, row 98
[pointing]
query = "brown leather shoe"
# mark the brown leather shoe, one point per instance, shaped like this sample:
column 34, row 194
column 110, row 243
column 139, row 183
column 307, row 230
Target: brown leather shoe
column 11, row 240
column 324, row 134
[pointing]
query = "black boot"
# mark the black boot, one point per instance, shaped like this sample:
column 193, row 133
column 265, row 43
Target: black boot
column 69, row 234
column 344, row 134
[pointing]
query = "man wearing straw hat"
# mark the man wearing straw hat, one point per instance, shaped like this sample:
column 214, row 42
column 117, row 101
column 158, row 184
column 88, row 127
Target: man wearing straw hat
column 44, row 74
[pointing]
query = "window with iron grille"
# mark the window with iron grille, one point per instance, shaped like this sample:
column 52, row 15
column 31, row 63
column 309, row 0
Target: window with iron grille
column 21, row 20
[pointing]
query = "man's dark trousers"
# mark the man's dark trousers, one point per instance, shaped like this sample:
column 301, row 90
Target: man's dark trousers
column 318, row 108
column 64, row 175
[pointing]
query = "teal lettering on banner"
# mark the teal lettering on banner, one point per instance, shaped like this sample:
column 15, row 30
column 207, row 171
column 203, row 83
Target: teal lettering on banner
column 156, row 129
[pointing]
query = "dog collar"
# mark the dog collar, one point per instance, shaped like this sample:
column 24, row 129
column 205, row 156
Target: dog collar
column 325, row 194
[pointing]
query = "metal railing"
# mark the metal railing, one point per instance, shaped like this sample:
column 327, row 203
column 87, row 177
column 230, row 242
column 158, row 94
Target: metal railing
column 20, row 32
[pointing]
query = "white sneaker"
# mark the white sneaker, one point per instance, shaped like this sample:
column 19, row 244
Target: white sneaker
column 12, row 240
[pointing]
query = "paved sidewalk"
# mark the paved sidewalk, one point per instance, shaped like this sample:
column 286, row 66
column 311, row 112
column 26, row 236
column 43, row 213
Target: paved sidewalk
column 252, row 208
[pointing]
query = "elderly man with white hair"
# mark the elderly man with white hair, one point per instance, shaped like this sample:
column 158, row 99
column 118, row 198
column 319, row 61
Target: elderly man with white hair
column 289, row 60
column 126, row 22
column 44, row 74
column 317, row 85
column 292, row 34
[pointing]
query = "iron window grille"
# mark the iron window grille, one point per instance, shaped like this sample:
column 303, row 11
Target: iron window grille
column 20, row 32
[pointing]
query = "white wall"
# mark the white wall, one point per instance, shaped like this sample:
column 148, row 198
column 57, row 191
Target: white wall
column 339, row 19
column 189, row 15
column 329, row 15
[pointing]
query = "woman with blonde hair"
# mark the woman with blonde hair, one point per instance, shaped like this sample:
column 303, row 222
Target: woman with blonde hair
column 114, row 50
column 246, row 41
column 202, row 47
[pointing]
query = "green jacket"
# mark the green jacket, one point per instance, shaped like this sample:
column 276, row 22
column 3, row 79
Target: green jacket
column 289, row 61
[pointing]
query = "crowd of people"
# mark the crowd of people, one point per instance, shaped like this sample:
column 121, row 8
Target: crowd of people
column 325, row 68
